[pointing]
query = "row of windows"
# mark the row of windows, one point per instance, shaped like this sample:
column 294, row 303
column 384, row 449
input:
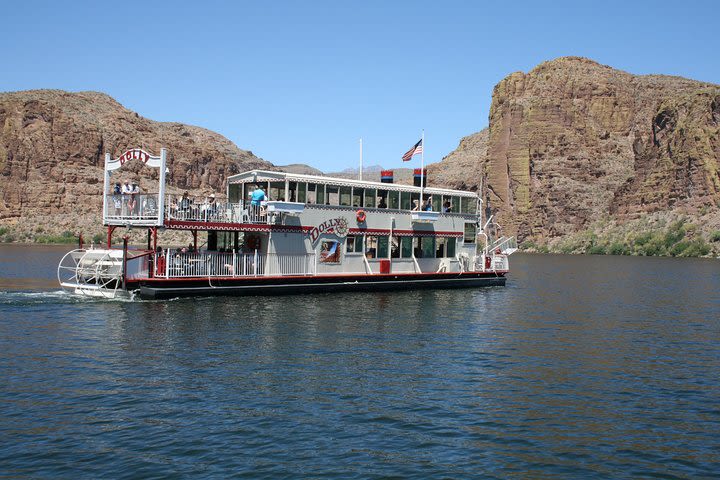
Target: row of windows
column 362, row 197
column 378, row 246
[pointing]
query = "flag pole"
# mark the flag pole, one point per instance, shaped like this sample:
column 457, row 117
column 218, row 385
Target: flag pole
column 422, row 169
column 361, row 166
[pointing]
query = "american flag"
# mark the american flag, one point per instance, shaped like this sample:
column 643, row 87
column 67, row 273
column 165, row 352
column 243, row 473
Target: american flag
column 415, row 150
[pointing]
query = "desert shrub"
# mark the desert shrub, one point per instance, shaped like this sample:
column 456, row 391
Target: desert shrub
column 675, row 233
column 715, row 236
column 618, row 248
column 597, row 250
column 3, row 231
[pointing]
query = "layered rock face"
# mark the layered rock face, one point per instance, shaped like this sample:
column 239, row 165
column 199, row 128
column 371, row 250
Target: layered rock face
column 52, row 147
column 463, row 168
column 573, row 141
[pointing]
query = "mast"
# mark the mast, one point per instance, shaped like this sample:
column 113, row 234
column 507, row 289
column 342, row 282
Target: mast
column 422, row 169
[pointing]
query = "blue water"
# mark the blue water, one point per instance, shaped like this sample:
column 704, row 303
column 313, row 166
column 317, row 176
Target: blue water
column 581, row 367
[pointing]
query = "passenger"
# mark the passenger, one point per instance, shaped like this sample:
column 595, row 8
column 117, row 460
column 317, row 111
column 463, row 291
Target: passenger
column 211, row 207
column 132, row 204
column 256, row 198
column 117, row 201
column 447, row 208
column 416, row 206
column 381, row 203
column 184, row 205
column 428, row 204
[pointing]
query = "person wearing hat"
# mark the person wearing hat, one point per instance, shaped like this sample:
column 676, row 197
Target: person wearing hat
column 211, row 207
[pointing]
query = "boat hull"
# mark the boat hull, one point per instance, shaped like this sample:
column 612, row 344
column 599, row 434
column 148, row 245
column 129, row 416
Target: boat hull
column 161, row 288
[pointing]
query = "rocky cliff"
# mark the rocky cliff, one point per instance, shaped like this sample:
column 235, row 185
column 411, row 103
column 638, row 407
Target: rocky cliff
column 52, row 146
column 573, row 141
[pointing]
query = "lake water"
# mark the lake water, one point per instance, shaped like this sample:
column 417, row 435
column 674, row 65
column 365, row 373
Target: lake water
column 581, row 367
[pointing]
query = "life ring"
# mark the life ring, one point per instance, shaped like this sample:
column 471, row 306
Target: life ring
column 361, row 216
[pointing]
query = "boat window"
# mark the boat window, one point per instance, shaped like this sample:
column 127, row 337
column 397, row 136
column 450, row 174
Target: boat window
column 311, row 188
column 394, row 247
column 277, row 191
column 405, row 200
column 394, row 197
column 414, row 201
column 437, row 203
column 417, row 247
column 439, row 248
column 406, row 245
column 469, row 205
column 357, row 195
column 370, row 197
column 302, row 192
column 450, row 250
column 345, row 196
column 320, row 194
column 354, row 244
column 470, row 233
column 428, row 247
column 371, row 246
column 382, row 198
column 382, row 250
column 333, row 195
column 330, row 251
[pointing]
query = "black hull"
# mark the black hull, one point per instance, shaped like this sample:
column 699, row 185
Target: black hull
column 160, row 288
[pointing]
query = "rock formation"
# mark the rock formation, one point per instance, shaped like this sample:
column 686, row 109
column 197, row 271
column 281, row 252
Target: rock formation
column 52, row 146
column 573, row 141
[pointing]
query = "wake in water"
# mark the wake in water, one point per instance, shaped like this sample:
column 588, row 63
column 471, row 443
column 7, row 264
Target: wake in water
column 24, row 297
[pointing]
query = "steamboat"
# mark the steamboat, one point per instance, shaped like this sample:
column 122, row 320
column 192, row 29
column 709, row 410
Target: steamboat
column 277, row 232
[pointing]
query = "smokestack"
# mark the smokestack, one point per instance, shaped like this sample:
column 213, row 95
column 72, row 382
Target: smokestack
column 418, row 174
column 386, row 176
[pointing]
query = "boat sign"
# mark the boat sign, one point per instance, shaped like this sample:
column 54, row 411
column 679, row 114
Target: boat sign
column 337, row 226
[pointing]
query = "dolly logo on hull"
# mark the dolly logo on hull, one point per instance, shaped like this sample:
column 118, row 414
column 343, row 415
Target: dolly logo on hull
column 337, row 226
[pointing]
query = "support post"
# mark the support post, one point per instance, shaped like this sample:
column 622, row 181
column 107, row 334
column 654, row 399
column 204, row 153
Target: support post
column 124, row 269
column 161, row 189
column 111, row 229
column 194, row 233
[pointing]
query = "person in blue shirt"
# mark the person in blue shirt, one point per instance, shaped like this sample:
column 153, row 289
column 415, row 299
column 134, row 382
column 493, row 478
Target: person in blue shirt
column 256, row 199
column 257, row 196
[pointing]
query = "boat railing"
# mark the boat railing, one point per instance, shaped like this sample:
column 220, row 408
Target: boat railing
column 189, row 210
column 127, row 208
column 232, row 265
column 505, row 245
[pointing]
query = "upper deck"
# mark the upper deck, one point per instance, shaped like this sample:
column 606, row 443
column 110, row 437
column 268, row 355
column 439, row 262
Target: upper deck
column 295, row 200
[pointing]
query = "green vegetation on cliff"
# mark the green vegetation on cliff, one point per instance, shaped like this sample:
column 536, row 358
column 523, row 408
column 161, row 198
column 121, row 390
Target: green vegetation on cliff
column 678, row 238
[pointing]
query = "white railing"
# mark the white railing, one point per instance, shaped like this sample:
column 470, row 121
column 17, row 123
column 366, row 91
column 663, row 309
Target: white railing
column 231, row 265
column 186, row 209
column 125, row 207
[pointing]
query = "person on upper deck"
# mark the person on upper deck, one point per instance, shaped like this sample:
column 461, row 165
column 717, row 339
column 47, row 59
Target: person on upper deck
column 447, row 207
column 381, row 203
column 416, row 206
column 427, row 206
column 257, row 196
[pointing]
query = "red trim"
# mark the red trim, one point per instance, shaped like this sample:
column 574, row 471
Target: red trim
column 263, row 228
column 404, row 233
column 349, row 275
column 234, row 227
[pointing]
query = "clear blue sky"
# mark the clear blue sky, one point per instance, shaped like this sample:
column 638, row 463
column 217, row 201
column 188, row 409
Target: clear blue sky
column 301, row 82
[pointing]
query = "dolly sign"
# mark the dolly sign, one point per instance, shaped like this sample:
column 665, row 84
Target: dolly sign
column 337, row 226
